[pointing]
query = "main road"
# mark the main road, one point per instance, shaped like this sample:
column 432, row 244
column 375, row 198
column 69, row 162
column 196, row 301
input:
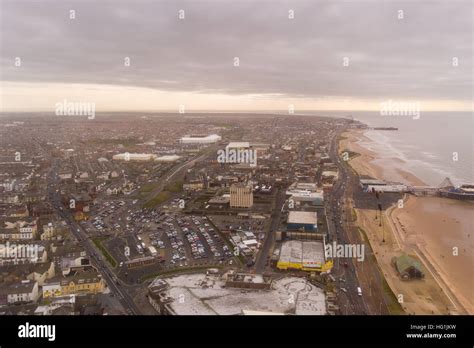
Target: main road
column 269, row 241
column 96, row 258
column 102, row 265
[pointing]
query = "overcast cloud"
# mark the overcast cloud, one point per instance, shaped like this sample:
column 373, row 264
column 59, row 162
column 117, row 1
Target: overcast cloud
column 303, row 57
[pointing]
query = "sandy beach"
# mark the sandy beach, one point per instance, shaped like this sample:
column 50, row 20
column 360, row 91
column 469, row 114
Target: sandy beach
column 428, row 228
column 371, row 164
column 441, row 230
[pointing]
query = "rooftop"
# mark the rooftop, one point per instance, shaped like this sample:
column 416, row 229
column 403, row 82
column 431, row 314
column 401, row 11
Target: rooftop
column 302, row 217
column 303, row 252
column 200, row 294
column 207, row 138
column 238, row 144
column 168, row 158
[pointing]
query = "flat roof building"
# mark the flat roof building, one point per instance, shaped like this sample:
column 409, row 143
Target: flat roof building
column 168, row 158
column 241, row 196
column 302, row 221
column 309, row 186
column 238, row 145
column 313, row 197
column 224, row 199
column 193, row 139
column 303, row 255
column 134, row 157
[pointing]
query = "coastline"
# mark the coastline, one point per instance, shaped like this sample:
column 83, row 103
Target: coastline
column 372, row 164
column 427, row 228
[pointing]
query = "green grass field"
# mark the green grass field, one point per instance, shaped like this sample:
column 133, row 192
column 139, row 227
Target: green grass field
column 109, row 258
column 175, row 187
column 392, row 302
column 148, row 187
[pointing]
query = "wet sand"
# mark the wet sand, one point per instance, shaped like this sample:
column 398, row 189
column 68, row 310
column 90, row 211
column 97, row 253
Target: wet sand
column 371, row 164
column 427, row 227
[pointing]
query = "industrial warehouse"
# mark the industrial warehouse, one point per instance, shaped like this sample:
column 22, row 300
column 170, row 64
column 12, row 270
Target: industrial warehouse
column 304, row 225
column 303, row 255
column 305, row 221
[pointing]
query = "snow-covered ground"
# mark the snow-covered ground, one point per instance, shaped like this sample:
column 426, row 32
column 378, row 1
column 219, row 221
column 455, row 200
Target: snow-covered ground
column 200, row 294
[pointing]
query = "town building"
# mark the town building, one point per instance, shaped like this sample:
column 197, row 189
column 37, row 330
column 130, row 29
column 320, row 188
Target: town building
column 408, row 267
column 304, row 221
column 24, row 228
column 303, row 255
column 200, row 139
column 53, row 230
column 300, row 196
column 241, row 196
column 88, row 282
column 193, row 182
column 64, row 305
column 134, row 157
column 25, row 291
column 168, row 158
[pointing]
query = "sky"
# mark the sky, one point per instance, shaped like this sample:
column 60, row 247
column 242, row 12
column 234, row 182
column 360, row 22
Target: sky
column 310, row 55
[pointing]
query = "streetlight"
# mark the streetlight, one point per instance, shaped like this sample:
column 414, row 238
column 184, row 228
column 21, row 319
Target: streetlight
column 381, row 222
column 383, row 231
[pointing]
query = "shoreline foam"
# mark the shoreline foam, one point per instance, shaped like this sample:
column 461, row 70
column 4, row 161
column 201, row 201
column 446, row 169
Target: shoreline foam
column 425, row 227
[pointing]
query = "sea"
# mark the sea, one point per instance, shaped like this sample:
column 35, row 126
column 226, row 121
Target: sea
column 433, row 145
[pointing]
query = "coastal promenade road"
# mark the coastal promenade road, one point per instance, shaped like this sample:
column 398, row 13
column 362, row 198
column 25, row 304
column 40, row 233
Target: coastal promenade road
column 365, row 274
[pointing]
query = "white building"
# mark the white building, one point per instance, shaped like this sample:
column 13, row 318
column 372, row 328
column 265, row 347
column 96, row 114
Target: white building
column 315, row 198
column 168, row 158
column 23, row 292
column 236, row 145
column 209, row 139
column 63, row 301
column 134, row 157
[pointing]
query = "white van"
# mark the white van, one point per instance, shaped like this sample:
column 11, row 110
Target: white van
column 359, row 291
